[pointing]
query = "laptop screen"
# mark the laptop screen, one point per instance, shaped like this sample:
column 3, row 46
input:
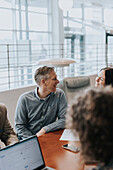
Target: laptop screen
column 25, row 155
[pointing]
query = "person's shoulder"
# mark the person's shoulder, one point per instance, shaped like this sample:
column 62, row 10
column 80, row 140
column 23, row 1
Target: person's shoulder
column 3, row 109
column 2, row 106
column 27, row 95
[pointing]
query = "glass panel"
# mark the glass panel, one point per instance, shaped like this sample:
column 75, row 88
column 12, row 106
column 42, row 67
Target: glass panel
column 76, row 13
column 75, row 24
column 5, row 4
column 5, row 19
column 38, row 6
column 97, row 15
column 39, row 38
column 38, row 22
column 17, row 20
column 23, row 17
column 88, row 13
column 93, row 14
column 108, row 20
column 6, row 37
column 37, row 9
column 3, row 67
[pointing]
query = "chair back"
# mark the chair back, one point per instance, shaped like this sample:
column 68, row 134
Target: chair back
column 74, row 85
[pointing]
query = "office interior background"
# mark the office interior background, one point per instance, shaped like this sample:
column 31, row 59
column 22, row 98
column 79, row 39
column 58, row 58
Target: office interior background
column 31, row 30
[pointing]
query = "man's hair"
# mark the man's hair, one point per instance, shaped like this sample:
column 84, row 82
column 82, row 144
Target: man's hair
column 42, row 73
column 91, row 116
column 108, row 75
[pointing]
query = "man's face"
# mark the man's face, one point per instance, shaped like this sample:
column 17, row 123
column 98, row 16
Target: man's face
column 100, row 80
column 52, row 82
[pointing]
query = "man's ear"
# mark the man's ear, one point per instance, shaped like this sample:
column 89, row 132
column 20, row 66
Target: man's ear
column 43, row 82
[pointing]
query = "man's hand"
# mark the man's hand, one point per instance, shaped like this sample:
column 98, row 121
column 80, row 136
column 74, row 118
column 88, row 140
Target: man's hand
column 41, row 132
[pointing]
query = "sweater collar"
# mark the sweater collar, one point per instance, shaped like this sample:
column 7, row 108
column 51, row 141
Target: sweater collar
column 42, row 98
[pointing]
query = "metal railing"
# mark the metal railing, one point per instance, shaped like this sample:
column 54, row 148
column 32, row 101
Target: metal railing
column 19, row 62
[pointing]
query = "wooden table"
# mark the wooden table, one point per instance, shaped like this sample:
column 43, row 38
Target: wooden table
column 57, row 157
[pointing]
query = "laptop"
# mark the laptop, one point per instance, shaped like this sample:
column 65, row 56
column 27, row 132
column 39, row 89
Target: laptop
column 24, row 155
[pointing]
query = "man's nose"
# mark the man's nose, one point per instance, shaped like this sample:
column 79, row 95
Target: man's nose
column 97, row 79
column 57, row 81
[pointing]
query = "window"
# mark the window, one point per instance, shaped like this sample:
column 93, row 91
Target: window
column 23, row 28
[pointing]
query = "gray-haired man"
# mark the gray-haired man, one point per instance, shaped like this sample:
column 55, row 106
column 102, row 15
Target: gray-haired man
column 37, row 110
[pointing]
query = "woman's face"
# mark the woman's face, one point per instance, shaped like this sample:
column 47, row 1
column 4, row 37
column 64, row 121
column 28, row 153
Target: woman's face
column 100, row 80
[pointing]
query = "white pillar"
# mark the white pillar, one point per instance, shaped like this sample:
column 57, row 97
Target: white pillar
column 57, row 28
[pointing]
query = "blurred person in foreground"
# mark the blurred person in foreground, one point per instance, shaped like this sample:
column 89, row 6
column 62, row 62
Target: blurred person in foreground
column 7, row 134
column 91, row 116
column 105, row 77
column 37, row 110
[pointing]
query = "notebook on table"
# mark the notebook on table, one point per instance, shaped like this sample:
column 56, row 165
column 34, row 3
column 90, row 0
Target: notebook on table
column 24, row 155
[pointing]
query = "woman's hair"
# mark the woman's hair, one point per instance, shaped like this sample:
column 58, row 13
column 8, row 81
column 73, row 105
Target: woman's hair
column 108, row 75
column 91, row 116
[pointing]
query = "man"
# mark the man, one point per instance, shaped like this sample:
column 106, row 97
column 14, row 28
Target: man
column 37, row 110
column 7, row 135
column 91, row 116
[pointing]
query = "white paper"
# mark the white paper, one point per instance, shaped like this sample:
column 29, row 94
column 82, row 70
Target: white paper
column 68, row 136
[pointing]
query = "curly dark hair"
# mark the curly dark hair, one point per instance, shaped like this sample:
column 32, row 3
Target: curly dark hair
column 91, row 116
column 108, row 75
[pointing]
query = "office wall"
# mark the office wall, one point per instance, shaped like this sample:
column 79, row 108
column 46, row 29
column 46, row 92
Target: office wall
column 10, row 98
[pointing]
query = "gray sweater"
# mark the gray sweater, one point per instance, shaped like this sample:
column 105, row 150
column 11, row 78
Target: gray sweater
column 34, row 113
